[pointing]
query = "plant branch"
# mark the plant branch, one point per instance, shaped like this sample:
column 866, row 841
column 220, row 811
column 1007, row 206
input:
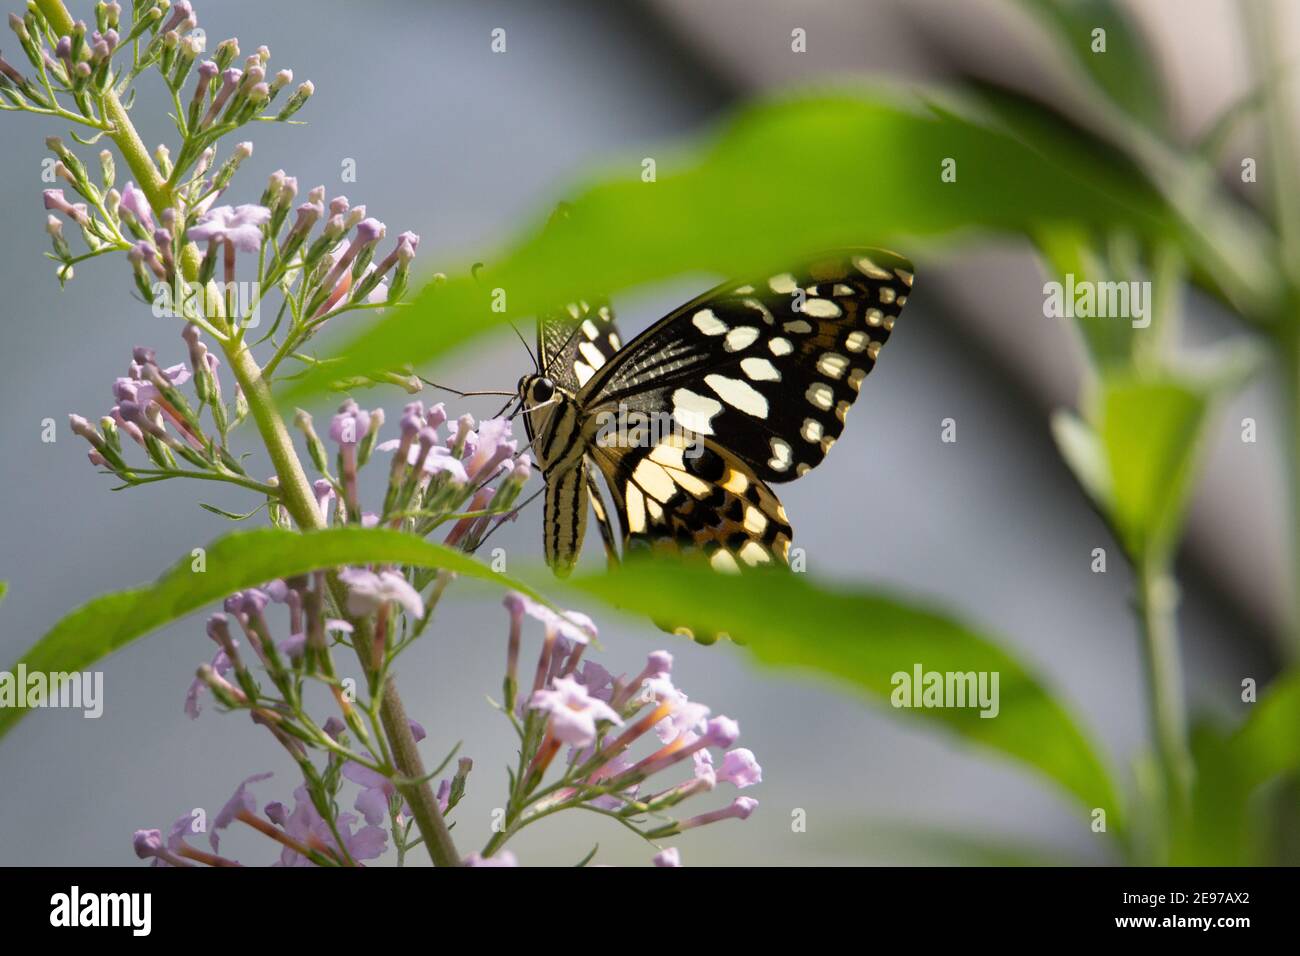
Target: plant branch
column 1157, row 600
column 295, row 489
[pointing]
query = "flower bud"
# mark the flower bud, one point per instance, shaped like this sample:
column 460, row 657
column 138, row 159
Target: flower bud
column 296, row 101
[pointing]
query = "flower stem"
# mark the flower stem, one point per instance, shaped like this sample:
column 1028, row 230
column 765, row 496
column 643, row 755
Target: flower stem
column 1157, row 601
column 296, row 491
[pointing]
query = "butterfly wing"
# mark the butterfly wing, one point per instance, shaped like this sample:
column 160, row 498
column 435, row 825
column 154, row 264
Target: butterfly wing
column 576, row 341
column 766, row 370
column 690, row 494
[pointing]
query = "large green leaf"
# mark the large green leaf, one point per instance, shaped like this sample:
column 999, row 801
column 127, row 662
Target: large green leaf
column 784, row 179
column 233, row 562
column 863, row 638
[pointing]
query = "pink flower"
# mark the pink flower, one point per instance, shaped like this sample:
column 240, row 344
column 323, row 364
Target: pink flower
column 491, row 448
column 240, row 801
column 574, row 712
column 221, row 664
column 740, row 768
column 704, row 772
column 503, row 858
column 437, row 459
column 377, row 792
column 350, row 425
column 134, row 202
column 573, row 625
column 668, row 857
column 77, row 212
column 307, row 826
column 740, row 809
column 685, row 717
column 241, row 226
column 368, row 591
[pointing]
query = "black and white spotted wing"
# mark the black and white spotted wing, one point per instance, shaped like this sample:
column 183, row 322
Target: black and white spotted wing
column 747, row 384
column 576, row 341
column 766, row 368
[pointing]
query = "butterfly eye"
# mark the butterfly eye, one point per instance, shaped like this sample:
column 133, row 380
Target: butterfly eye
column 543, row 389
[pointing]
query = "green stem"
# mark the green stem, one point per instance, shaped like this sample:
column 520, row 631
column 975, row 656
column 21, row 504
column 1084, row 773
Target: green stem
column 249, row 483
column 1289, row 347
column 296, row 491
column 1157, row 601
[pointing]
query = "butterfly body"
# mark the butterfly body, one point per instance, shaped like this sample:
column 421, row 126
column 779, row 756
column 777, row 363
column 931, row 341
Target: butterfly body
column 691, row 421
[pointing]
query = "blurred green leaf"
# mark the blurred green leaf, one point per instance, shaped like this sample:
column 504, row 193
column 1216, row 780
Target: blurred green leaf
column 1150, row 432
column 1126, row 72
column 1071, row 258
column 233, row 562
column 1231, row 769
column 1269, row 742
column 863, row 638
column 944, row 846
column 1136, row 455
column 784, row 179
column 4, row 589
column 1085, row 456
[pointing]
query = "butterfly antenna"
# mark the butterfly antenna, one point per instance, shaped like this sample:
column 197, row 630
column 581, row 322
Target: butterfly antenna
column 527, row 348
column 561, row 350
column 508, row 516
column 456, row 391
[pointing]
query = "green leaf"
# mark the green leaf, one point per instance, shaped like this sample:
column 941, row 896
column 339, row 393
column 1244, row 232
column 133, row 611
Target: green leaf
column 1136, row 451
column 783, row 179
column 232, row 515
column 4, row 589
column 1136, row 455
column 1150, row 432
column 1224, row 829
column 1071, row 261
column 1126, row 72
column 233, row 562
column 1085, row 456
column 864, row 638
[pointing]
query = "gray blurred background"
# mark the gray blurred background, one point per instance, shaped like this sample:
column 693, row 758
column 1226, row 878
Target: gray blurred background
column 460, row 144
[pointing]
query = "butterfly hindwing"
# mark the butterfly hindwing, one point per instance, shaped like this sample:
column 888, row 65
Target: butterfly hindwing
column 766, row 368
column 690, row 494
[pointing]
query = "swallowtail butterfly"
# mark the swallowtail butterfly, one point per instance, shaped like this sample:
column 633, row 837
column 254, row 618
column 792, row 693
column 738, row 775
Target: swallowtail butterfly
column 691, row 422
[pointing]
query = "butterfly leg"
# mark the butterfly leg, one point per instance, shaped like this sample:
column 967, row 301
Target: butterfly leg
column 602, row 519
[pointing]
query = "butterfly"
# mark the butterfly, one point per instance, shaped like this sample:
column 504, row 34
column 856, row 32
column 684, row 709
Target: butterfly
column 689, row 424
